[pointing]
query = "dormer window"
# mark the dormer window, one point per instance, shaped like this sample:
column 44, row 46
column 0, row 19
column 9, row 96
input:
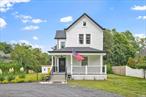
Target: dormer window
column 84, row 23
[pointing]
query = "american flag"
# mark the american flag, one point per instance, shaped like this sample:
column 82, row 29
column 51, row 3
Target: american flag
column 77, row 56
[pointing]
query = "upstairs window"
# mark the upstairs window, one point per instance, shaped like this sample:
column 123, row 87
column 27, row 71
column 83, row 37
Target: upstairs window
column 88, row 38
column 62, row 44
column 84, row 23
column 85, row 61
column 81, row 38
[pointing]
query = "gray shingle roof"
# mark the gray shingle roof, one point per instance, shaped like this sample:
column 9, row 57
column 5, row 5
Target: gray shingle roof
column 77, row 49
column 60, row 34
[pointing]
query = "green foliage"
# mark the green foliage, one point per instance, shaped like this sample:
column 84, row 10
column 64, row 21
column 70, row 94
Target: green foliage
column 137, row 62
column 2, row 78
column 5, row 82
column 6, row 66
column 28, row 57
column 109, row 68
column 119, row 46
column 22, row 75
column 6, row 48
column 10, row 77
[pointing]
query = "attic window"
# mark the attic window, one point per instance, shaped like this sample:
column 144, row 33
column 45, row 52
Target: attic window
column 84, row 23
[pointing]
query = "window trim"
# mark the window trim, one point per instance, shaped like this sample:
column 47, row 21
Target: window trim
column 80, row 39
column 88, row 39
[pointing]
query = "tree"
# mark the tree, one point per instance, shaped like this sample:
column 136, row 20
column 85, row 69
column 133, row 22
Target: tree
column 6, row 48
column 107, row 44
column 28, row 57
column 119, row 46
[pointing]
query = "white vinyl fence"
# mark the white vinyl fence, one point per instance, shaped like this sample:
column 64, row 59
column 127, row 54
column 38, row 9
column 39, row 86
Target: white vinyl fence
column 128, row 71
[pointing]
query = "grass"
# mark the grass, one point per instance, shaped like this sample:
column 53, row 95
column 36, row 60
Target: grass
column 122, row 85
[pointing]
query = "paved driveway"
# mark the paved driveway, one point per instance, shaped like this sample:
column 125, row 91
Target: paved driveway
column 47, row 90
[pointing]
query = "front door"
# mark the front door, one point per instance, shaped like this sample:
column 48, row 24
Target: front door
column 61, row 64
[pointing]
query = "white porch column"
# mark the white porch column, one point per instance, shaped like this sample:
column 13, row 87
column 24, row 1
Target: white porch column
column 57, row 64
column 101, row 63
column 71, row 62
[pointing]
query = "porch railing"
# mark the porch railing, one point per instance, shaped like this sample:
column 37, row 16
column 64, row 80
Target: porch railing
column 88, row 70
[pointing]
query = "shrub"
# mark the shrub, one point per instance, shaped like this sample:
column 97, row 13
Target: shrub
column 22, row 76
column 5, row 82
column 10, row 77
column 2, row 78
column 109, row 69
column 20, row 81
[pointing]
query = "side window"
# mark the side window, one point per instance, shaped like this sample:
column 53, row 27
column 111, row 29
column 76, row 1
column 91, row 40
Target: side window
column 84, row 23
column 62, row 44
column 88, row 38
column 81, row 38
column 85, row 61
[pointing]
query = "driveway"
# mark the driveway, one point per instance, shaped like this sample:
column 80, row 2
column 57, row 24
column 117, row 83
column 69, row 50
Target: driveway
column 49, row 90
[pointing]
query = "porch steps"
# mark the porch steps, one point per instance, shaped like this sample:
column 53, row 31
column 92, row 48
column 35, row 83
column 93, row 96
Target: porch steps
column 58, row 78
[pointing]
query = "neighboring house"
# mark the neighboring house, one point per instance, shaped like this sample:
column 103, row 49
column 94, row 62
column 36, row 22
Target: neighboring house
column 84, row 36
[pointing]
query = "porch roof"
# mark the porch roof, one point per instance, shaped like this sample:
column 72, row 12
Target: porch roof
column 77, row 49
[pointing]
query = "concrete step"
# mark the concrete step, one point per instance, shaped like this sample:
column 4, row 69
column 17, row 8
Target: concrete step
column 58, row 78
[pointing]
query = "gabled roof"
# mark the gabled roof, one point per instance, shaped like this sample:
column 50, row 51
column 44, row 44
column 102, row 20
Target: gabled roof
column 89, row 18
column 60, row 34
column 77, row 49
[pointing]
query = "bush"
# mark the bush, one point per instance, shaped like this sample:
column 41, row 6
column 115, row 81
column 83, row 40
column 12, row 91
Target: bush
column 10, row 77
column 5, row 82
column 109, row 69
column 20, row 81
column 22, row 76
column 2, row 78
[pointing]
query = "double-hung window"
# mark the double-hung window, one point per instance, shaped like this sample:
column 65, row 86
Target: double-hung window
column 88, row 38
column 81, row 38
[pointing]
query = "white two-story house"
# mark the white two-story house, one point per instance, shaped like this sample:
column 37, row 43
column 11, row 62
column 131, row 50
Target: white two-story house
column 85, row 36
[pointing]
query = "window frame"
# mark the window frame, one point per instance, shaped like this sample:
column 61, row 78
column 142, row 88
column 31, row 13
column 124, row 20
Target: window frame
column 88, row 38
column 85, row 60
column 62, row 42
column 84, row 24
column 81, row 39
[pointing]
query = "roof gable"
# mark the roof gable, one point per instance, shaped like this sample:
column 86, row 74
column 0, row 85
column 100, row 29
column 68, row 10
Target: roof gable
column 89, row 18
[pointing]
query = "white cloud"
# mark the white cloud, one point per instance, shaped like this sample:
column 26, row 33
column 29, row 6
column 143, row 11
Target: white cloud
column 35, row 38
column 5, row 5
column 28, row 18
column 66, row 19
column 31, row 28
column 2, row 23
column 141, row 17
column 37, row 21
column 140, row 8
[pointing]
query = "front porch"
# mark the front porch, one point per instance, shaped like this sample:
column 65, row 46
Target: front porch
column 94, row 70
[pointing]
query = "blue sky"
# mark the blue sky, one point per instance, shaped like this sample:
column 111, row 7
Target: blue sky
column 35, row 21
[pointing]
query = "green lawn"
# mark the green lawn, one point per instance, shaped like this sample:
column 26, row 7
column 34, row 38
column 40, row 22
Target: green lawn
column 126, row 86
